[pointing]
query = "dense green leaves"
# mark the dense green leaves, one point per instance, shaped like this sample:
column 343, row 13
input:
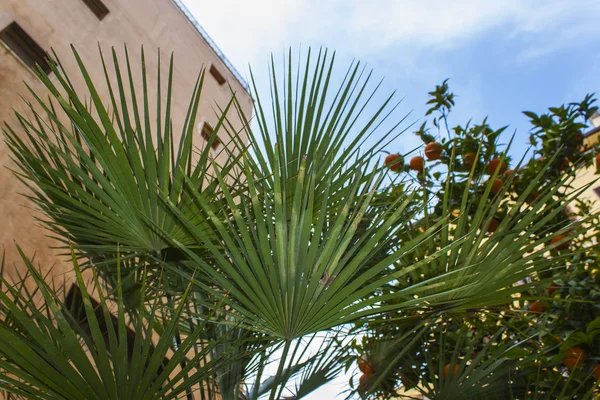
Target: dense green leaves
column 46, row 353
column 224, row 267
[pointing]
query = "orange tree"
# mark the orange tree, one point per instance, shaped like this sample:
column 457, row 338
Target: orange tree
column 546, row 343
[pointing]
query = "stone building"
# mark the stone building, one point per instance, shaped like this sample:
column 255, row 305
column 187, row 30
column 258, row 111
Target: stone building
column 29, row 28
column 585, row 176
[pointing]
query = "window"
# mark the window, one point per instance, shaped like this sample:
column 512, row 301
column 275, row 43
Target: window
column 24, row 47
column 76, row 308
column 217, row 75
column 206, row 133
column 97, row 7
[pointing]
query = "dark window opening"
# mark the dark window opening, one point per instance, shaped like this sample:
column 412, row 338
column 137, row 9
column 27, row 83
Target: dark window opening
column 207, row 132
column 597, row 191
column 97, row 7
column 217, row 75
column 76, row 309
column 17, row 40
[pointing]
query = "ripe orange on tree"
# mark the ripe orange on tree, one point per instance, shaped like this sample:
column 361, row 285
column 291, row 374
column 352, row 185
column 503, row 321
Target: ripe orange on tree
column 447, row 370
column 598, row 161
column 552, row 288
column 469, row 159
column 597, row 372
column 562, row 246
column 494, row 224
column 497, row 185
column 433, row 151
column 575, row 357
column 494, row 164
column 533, row 196
column 363, row 382
column 394, row 162
column 417, row 163
column 537, row 307
column 565, row 163
column 365, row 367
column 509, row 172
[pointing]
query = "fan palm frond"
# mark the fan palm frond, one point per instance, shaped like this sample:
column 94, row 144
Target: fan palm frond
column 47, row 354
column 99, row 177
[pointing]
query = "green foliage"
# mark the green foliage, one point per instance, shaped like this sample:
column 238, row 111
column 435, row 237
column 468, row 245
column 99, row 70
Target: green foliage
column 46, row 354
column 295, row 238
column 567, row 286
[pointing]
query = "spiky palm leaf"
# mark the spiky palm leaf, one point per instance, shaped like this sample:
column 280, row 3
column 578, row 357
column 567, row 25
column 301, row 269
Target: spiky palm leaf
column 100, row 176
column 45, row 354
column 291, row 255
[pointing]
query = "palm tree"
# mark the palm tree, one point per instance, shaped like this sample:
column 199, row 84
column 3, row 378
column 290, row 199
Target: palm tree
column 226, row 268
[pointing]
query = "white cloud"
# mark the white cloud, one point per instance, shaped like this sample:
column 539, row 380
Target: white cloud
column 249, row 30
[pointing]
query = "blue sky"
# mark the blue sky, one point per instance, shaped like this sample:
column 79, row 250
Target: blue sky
column 502, row 57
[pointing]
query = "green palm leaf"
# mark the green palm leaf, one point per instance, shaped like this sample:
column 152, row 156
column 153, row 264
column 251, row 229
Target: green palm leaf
column 45, row 354
column 101, row 178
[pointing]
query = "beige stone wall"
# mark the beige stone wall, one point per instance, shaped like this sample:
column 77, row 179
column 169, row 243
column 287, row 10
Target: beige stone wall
column 57, row 24
column 586, row 176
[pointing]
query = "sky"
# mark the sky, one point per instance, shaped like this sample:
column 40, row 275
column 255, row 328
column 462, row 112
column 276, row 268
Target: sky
column 502, row 57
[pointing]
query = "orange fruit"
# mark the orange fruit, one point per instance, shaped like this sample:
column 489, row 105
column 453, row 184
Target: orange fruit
column 509, row 172
column 579, row 137
column 497, row 185
column 495, row 164
column 394, row 162
column 537, row 307
column 533, row 197
column 494, row 223
column 365, row 367
column 363, row 382
column 552, row 288
column 447, row 370
column 433, row 151
column 575, row 357
column 565, row 163
column 598, row 161
column 417, row 163
column 469, row 159
column 596, row 372
column 562, row 246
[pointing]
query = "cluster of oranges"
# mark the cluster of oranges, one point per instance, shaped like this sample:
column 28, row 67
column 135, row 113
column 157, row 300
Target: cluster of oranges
column 434, row 150
column 575, row 356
